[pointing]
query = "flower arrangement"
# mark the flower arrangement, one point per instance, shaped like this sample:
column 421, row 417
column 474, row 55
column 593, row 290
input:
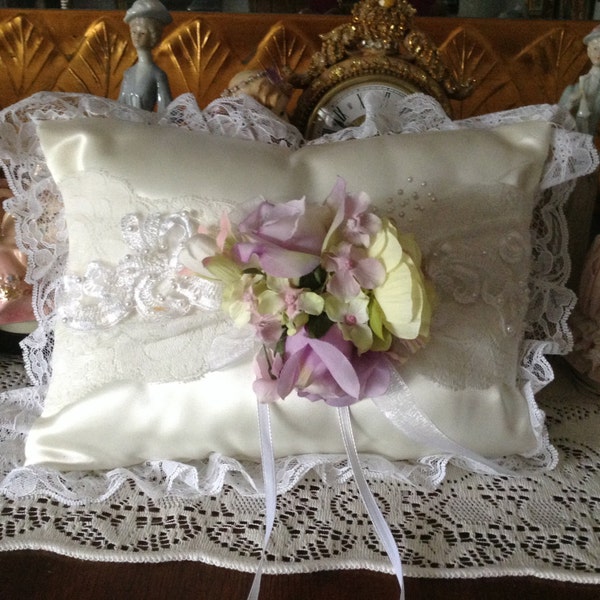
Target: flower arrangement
column 327, row 288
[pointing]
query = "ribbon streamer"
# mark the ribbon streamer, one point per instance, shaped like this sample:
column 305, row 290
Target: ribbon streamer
column 400, row 408
column 377, row 519
column 270, row 488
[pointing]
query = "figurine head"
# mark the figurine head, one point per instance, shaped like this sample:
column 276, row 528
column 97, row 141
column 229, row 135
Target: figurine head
column 146, row 19
column 267, row 87
column 592, row 41
column 145, row 33
column 150, row 9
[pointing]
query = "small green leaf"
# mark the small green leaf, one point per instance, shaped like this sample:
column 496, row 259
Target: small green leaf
column 280, row 345
column 318, row 325
column 315, row 280
column 376, row 318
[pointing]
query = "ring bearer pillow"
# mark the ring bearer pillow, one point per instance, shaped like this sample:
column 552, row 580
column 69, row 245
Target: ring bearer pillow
column 138, row 373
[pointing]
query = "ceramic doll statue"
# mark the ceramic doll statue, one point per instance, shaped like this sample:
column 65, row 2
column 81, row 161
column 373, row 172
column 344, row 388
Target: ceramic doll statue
column 268, row 87
column 585, row 323
column 144, row 84
column 583, row 97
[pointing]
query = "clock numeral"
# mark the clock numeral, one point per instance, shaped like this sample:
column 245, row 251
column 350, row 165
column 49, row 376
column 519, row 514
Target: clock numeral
column 339, row 116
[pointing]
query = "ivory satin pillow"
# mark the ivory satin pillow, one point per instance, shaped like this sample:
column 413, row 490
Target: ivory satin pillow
column 141, row 389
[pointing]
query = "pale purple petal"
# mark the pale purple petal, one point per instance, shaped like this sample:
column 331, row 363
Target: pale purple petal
column 374, row 373
column 338, row 365
column 286, row 225
column 275, row 260
column 290, row 372
column 369, row 272
column 343, row 285
column 266, row 368
column 274, row 221
column 330, row 372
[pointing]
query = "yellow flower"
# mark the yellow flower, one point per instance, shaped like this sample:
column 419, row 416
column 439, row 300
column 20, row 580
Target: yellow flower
column 402, row 306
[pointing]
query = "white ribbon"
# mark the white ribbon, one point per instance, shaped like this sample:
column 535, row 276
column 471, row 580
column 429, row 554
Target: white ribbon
column 377, row 519
column 270, row 489
column 399, row 406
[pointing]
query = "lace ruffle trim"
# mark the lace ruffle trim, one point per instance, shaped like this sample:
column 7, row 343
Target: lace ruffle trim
column 42, row 236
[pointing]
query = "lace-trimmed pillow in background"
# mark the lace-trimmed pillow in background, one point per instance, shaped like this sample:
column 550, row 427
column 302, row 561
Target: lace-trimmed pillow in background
column 139, row 390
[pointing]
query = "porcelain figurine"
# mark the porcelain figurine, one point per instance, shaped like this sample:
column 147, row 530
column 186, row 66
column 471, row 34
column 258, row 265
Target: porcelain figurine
column 144, row 84
column 269, row 87
column 583, row 97
column 585, row 323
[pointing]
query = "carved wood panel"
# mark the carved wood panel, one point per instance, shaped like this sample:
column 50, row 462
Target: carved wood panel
column 513, row 63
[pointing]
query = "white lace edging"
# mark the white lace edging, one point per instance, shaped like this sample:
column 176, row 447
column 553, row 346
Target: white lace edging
column 41, row 235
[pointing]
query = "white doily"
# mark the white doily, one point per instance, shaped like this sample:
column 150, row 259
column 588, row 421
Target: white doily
column 470, row 526
column 43, row 237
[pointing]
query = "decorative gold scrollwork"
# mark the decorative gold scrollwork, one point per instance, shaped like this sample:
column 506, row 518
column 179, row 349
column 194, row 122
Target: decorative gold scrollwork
column 384, row 28
column 29, row 59
column 99, row 63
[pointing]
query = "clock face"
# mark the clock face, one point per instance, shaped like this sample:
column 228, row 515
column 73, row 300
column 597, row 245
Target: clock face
column 344, row 105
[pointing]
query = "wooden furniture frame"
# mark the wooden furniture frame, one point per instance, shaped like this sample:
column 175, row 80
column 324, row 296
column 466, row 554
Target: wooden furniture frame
column 513, row 63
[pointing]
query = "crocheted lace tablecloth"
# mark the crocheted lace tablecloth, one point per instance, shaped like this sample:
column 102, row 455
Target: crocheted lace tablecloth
column 547, row 525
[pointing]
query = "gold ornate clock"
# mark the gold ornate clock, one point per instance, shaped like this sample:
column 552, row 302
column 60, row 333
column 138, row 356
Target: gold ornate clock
column 379, row 53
